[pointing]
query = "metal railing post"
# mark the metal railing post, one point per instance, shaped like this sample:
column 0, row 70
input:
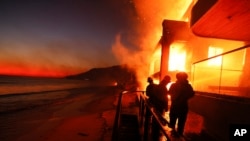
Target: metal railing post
column 115, row 132
column 161, row 121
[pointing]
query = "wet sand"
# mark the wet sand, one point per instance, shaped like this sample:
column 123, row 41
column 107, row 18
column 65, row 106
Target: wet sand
column 66, row 111
column 83, row 114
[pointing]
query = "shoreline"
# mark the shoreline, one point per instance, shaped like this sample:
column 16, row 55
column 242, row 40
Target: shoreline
column 82, row 115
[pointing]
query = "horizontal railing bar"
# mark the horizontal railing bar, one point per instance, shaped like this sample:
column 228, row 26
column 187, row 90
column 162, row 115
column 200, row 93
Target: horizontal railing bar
column 237, row 49
column 115, row 133
column 118, row 110
column 156, row 116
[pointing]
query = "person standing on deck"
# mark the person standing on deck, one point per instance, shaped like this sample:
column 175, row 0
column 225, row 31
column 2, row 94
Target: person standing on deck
column 162, row 91
column 151, row 90
column 161, row 105
column 150, row 93
column 180, row 91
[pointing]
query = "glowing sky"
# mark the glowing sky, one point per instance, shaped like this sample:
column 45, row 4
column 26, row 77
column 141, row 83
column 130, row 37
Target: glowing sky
column 60, row 37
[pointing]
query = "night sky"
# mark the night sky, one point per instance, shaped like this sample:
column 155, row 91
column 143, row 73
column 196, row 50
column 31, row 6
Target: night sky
column 63, row 37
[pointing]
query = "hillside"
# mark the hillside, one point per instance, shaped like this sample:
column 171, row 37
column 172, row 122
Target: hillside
column 114, row 74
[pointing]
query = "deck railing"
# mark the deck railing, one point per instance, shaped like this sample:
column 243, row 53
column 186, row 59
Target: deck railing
column 143, row 105
column 224, row 74
column 115, row 133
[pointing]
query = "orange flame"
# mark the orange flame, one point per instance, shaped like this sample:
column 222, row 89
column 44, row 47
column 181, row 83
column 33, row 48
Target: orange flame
column 146, row 60
column 177, row 57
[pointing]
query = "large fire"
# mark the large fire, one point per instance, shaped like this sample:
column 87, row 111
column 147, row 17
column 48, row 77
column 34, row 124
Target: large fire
column 182, row 53
column 155, row 61
column 177, row 56
column 177, row 59
column 151, row 13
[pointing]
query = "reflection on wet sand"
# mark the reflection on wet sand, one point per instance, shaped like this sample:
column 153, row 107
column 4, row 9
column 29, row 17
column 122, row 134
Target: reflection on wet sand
column 78, row 113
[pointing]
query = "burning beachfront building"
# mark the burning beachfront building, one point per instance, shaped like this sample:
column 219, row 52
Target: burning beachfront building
column 213, row 47
column 208, row 39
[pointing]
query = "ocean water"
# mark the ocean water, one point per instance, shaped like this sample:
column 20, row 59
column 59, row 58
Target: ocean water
column 18, row 93
column 19, row 85
column 21, row 93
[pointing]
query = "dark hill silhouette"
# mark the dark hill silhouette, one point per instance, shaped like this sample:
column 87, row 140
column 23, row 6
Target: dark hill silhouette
column 121, row 75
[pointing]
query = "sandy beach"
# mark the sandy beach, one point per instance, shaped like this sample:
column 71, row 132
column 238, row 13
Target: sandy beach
column 67, row 111
column 84, row 114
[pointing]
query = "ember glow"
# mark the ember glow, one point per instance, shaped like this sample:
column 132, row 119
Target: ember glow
column 177, row 58
column 148, row 31
column 155, row 61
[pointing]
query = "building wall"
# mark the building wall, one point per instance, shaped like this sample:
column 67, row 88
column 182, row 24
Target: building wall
column 219, row 112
